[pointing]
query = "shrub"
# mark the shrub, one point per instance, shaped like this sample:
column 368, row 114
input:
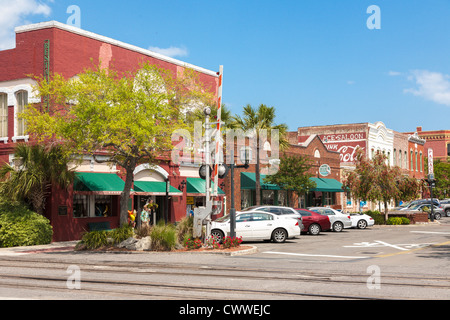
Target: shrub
column 19, row 226
column 192, row 244
column 94, row 240
column 405, row 220
column 229, row 242
column 164, row 237
column 394, row 221
column 185, row 229
column 377, row 216
column 121, row 234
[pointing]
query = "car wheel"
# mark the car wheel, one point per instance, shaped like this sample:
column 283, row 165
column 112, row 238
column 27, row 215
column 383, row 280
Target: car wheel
column 338, row 226
column 437, row 216
column 279, row 235
column 362, row 224
column 217, row 235
column 447, row 212
column 314, row 229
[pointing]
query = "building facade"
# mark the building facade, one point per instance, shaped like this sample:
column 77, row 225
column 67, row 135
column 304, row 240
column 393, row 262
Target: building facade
column 53, row 47
column 403, row 150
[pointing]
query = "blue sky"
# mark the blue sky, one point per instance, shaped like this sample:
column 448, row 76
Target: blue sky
column 316, row 61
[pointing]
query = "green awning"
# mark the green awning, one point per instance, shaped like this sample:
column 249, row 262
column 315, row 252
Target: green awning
column 197, row 186
column 248, row 182
column 327, row 185
column 98, row 183
column 155, row 188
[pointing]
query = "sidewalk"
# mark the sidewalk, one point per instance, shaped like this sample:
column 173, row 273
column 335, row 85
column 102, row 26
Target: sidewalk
column 70, row 246
column 55, row 246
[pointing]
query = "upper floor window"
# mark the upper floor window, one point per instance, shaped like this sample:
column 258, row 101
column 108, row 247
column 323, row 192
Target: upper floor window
column 22, row 101
column 3, row 115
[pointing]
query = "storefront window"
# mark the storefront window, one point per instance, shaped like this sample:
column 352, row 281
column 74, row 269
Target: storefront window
column 301, row 201
column 246, row 198
column 329, row 198
column 80, row 206
column 282, row 198
column 92, row 206
column 268, row 197
column 103, row 206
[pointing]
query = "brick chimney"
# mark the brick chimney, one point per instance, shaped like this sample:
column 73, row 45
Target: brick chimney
column 419, row 129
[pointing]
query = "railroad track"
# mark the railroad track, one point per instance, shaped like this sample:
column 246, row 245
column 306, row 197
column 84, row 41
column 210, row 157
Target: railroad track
column 120, row 278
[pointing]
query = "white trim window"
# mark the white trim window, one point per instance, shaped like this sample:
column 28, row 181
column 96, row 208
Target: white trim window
column 3, row 115
column 22, row 101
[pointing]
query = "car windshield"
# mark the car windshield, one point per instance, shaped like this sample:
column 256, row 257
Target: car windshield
column 415, row 207
column 250, row 208
column 223, row 219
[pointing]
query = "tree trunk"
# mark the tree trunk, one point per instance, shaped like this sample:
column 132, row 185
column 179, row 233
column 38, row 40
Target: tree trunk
column 257, row 175
column 386, row 214
column 125, row 195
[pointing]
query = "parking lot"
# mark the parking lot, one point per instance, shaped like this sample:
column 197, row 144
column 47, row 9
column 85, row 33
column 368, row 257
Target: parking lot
column 380, row 262
column 355, row 244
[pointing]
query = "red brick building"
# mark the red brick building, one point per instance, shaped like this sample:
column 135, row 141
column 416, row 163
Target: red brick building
column 325, row 170
column 438, row 140
column 53, row 47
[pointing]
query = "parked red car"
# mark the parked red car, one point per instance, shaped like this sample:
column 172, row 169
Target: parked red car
column 314, row 222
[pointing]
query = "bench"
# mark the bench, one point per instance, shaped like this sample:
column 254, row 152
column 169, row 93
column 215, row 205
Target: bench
column 99, row 226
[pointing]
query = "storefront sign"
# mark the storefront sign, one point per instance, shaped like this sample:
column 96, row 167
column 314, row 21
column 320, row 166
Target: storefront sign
column 325, row 170
column 190, row 200
column 346, row 144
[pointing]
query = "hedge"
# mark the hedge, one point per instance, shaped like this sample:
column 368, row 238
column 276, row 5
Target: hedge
column 20, row 226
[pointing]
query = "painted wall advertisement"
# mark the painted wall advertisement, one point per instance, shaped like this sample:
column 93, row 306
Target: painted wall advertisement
column 346, row 144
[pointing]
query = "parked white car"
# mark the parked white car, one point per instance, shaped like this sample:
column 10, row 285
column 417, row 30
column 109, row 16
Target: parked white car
column 257, row 225
column 361, row 220
column 282, row 212
column 339, row 221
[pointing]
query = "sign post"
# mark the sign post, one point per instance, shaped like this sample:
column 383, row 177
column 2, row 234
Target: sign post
column 431, row 181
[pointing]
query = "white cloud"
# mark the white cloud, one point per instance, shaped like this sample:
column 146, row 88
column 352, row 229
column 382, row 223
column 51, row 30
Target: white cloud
column 394, row 73
column 171, row 52
column 433, row 86
column 14, row 13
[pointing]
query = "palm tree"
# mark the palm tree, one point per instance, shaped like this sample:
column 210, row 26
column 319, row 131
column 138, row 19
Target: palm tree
column 40, row 167
column 261, row 119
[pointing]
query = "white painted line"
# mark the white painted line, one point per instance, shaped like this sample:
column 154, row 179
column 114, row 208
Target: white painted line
column 430, row 232
column 391, row 245
column 315, row 255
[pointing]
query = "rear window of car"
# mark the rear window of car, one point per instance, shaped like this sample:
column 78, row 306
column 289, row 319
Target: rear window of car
column 304, row 213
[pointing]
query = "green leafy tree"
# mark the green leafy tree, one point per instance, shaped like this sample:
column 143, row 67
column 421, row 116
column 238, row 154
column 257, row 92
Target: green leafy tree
column 293, row 175
column 127, row 117
column 37, row 169
column 258, row 120
column 375, row 180
column 442, row 176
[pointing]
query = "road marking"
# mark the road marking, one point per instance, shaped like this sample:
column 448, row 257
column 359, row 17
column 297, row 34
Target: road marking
column 391, row 245
column 417, row 249
column 316, row 255
column 431, row 232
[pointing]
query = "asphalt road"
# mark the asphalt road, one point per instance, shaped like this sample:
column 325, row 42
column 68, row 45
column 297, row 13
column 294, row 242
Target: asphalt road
column 381, row 262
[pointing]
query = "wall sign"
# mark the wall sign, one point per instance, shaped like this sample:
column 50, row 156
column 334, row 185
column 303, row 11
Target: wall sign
column 325, row 170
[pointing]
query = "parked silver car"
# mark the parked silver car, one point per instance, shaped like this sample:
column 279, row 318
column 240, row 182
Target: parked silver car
column 284, row 212
column 339, row 221
column 446, row 206
column 438, row 211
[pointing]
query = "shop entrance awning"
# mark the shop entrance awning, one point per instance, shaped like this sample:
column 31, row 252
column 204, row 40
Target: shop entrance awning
column 248, row 182
column 154, row 188
column 196, row 186
column 98, row 183
column 327, row 185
